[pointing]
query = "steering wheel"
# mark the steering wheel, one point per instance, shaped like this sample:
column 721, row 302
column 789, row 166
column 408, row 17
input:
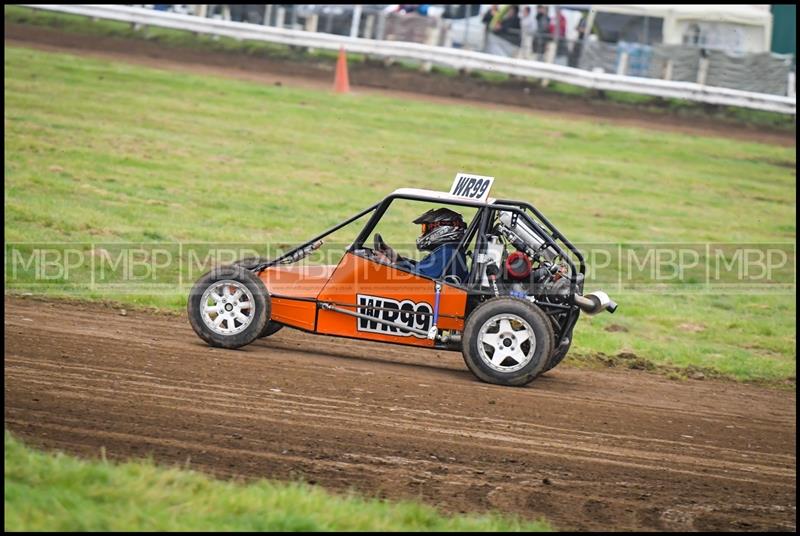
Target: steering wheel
column 382, row 247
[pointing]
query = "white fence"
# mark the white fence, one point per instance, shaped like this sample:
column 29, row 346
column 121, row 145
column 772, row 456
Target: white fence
column 444, row 56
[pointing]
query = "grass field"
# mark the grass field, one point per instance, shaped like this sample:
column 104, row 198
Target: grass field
column 55, row 492
column 102, row 153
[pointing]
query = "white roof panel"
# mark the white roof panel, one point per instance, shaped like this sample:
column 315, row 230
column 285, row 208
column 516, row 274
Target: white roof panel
column 444, row 197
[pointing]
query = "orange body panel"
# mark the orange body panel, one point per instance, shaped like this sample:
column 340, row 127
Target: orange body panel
column 296, row 313
column 357, row 280
column 295, row 282
column 452, row 304
column 361, row 281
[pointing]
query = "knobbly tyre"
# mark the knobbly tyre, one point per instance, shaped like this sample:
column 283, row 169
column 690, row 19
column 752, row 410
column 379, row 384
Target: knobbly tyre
column 512, row 315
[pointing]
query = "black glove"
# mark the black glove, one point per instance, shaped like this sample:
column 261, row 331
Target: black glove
column 384, row 248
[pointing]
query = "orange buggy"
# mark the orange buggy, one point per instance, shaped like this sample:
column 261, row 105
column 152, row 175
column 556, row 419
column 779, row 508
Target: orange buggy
column 512, row 317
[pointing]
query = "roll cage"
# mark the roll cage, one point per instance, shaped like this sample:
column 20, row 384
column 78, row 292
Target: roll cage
column 564, row 315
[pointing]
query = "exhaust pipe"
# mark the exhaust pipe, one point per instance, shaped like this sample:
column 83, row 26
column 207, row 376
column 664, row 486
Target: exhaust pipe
column 595, row 302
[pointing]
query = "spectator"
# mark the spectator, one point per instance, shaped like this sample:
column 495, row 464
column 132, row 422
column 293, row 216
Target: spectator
column 508, row 27
column 561, row 22
column 489, row 15
column 527, row 23
column 487, row 22
column 581, row 28
column 575, row 55
column 542, row 30
column 558, row 28
column 510, row 20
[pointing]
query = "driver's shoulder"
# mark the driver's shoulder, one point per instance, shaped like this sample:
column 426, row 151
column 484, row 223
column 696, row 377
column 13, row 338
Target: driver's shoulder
column 444, row 248
column 445, row 251
column 447, row 245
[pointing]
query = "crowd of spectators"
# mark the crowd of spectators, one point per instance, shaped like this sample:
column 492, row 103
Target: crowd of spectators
column 512, row 22
column 542, row 24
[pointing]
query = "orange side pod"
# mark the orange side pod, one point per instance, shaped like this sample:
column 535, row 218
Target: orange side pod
column 294, row 290
column 361, row 281
column 401, row 297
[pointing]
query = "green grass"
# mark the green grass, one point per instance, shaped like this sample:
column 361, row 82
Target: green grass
column 56, row 492
column 182, row 39
column 99, row 152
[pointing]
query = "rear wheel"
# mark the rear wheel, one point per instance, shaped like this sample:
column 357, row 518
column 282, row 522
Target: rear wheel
column 228, row 307
column 559, row 353
column 507, row 341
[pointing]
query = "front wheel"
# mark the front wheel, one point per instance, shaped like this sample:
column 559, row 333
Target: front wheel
column 228, row 307
column 248, row 263
column 507, row 341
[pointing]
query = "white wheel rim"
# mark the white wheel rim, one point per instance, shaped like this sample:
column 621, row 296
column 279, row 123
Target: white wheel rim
column 227, row 307
column 506, row 342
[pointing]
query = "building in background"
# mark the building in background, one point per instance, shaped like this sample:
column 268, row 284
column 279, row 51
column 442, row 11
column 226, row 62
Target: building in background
column 784, row 29
column 736, row 29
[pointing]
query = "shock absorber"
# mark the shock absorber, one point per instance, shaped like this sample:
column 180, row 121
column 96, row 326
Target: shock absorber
column 491, row 273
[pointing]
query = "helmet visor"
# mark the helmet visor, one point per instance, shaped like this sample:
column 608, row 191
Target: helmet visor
column 427, row 227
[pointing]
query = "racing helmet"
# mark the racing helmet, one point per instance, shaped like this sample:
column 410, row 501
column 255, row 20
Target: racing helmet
column 440, row 226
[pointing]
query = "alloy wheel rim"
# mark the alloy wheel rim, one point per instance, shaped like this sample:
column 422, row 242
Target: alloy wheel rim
column 227, row 307
column 506, row 342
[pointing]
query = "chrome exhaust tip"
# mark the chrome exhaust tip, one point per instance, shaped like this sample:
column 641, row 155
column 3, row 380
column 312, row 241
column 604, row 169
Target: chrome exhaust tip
column 595, row 302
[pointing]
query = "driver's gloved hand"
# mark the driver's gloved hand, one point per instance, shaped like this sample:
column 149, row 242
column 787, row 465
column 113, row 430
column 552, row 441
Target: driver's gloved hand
column 384, row 248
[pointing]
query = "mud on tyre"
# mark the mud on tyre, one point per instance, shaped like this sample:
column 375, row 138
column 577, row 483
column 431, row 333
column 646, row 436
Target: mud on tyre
column 229, row 307
column 507, row 341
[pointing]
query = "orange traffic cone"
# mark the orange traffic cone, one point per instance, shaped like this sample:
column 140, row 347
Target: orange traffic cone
column 341, row 84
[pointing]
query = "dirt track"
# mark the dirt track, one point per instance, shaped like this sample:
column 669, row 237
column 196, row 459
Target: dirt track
column 518, row 96
column 588, row 449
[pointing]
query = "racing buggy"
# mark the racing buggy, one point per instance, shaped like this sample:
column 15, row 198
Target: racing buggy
column 510, row 309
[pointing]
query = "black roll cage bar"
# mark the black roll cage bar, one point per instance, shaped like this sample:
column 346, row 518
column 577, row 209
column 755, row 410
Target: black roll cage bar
column 480, row 223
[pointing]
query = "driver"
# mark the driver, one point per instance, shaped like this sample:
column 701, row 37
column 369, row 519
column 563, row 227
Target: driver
column 442, row 231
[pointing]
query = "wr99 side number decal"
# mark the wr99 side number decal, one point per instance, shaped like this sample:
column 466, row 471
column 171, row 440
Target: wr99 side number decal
column 473, row 187
column 405, row 312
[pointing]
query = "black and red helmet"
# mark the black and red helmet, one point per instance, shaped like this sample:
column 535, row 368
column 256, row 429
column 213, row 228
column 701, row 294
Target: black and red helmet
column 440, row 226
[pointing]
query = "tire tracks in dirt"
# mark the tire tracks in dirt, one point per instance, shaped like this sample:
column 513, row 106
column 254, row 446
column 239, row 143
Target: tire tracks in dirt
column 592, row 450
column 569, row 443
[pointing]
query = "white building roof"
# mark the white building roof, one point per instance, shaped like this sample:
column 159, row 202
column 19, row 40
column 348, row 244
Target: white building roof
column 739, row 14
